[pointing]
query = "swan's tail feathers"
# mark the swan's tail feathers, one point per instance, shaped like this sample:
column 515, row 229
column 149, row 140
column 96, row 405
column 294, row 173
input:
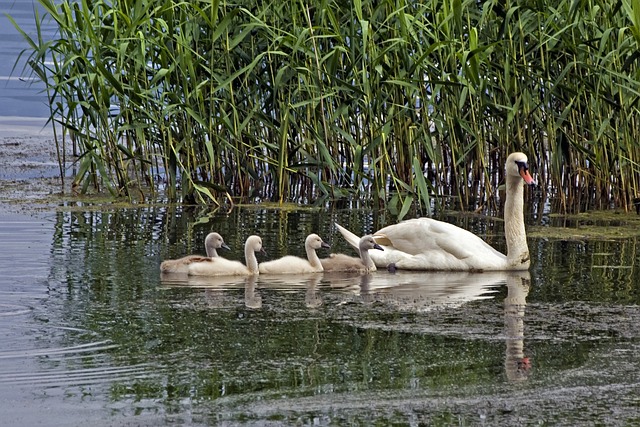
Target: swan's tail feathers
column 351, row 238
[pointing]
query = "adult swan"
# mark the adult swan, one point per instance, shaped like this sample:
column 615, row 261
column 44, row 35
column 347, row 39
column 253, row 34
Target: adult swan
column 428, row 244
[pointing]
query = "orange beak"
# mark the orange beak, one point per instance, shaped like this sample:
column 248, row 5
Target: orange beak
column 524, row 173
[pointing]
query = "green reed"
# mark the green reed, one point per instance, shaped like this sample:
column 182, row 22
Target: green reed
column 395, row 102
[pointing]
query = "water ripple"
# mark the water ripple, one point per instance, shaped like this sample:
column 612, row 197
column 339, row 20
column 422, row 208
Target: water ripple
column 82, row 376
column 81, row 348
column 13, row 309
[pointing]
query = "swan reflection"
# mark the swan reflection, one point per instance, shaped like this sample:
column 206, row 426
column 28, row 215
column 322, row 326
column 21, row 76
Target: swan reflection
column 286, row 282
column 403, row 290
column 420, row 291
column 209, row 282
column 517, row 365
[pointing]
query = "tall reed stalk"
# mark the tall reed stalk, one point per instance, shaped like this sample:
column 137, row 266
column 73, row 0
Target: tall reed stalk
column 391, row 101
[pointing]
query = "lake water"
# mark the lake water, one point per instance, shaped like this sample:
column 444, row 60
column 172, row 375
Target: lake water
column 91, row 331
column 20, row 96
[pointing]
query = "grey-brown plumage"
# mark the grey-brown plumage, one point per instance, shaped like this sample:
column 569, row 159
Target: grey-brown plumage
column 212, row 243
column 342, row 262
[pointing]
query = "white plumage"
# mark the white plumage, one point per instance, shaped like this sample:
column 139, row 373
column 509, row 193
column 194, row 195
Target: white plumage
column 225, row 267
column 429, row 244
column 295, row 265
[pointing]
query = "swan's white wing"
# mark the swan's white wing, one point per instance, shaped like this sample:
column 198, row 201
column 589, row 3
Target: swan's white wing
column 416, row 236
column 350, row 237
column 429, row 244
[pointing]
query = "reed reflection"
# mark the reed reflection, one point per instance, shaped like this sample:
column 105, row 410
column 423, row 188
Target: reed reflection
column 517, row 365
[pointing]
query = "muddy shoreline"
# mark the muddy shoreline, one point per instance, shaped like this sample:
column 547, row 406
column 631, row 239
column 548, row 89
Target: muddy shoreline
column 29, row 169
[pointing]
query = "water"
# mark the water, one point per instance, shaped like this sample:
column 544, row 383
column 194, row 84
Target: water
column 91, row 331
column 20, row 95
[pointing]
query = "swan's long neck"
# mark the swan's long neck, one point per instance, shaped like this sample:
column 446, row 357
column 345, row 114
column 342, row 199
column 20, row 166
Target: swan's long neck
column 517, row 249
column 366, row 259
column 211, row 252
column 250, row 257
column 312, row 256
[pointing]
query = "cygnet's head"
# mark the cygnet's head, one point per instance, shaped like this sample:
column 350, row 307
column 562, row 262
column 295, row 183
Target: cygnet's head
column 255, row 244
column 368, row 242
column 214, row 240
column 315, row 242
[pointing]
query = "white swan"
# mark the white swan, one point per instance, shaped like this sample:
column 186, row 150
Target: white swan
column 225, row 267
column 428, row 244
column 295, row 265
column 212, row 242
column 342, row 262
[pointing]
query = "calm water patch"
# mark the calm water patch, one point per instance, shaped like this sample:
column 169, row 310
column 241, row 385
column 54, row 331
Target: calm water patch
column 21, row 95
column 92, row 331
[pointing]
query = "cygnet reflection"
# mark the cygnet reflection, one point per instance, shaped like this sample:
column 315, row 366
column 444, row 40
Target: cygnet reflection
column 251, row 299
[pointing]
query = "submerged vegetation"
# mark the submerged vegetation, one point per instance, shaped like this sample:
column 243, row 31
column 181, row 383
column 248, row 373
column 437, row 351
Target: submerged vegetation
column 392, row 101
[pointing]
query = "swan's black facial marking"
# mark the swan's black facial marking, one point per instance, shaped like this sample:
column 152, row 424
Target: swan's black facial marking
column 522, row 166
column 523, row 171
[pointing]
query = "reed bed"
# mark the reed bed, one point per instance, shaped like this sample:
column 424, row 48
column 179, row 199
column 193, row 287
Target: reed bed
column 396, row 103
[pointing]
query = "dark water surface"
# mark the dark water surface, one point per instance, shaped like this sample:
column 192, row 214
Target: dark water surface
column 91, row 332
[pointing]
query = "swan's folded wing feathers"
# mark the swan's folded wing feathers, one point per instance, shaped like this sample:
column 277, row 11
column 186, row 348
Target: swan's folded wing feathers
column 413, row 236
column 383, row 240
column 453, row 247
